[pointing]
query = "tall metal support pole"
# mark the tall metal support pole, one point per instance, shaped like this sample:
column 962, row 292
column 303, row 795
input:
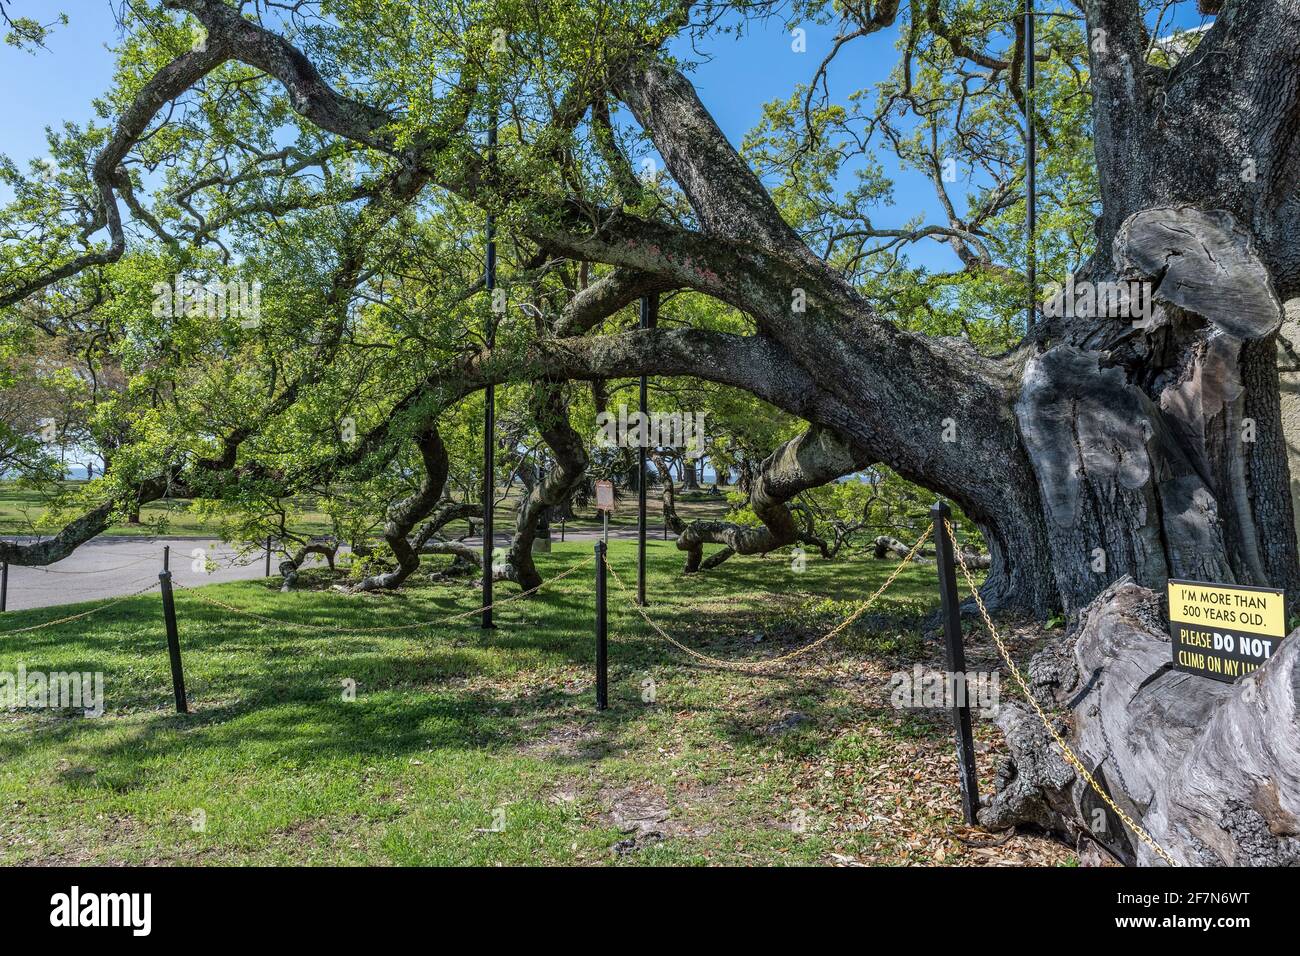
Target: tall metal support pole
column 602, row 631
column 956, row 660
column 490, row 393
column 1031, row 164
column 649, row 319
column 173, row 642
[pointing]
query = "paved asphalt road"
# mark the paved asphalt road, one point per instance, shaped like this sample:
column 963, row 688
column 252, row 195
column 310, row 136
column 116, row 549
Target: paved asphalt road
column 109, row 566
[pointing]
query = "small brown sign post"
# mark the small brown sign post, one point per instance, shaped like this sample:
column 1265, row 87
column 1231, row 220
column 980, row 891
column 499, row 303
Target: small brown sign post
column 605, row 501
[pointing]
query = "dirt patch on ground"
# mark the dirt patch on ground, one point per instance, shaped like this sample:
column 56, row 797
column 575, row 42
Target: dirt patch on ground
column 640, row 812
column 74, row 847
column 568, row 741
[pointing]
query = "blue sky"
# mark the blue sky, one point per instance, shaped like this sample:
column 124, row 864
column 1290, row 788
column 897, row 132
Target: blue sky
column 50, row 86
column 745, row 72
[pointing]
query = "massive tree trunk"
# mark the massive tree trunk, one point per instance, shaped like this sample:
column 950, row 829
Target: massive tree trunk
column 407, row 513
column 1157, row 439
column 551, row 416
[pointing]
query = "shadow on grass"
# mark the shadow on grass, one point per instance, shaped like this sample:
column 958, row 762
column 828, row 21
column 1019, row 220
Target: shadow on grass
column 526, row 689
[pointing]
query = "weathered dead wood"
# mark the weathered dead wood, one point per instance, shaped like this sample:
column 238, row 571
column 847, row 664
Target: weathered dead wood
column 1211, row 770
column 1137, row 423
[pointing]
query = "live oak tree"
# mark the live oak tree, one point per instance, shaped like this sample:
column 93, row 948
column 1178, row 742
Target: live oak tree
column 1110, row 441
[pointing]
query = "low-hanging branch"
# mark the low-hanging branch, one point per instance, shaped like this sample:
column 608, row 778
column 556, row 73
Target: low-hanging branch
column 809, row 460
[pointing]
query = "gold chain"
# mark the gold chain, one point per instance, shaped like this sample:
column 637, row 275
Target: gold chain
column 322, row 628
column 76, row 617
column 1033, row 702
column 797, row 652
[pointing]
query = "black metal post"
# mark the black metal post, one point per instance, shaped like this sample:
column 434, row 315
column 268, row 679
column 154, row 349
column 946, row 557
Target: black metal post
column 268, row 556
column 1031, row 164
column 956, row 660
column 561, row 528
column 649, row 319
column 544, row 519
column 4, row 586
column 173, row 641
column 490, row 392
column 602, row 632
column 167, row 557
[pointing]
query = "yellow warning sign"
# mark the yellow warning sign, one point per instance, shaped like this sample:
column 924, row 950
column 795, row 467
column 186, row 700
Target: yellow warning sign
column 1255, row 610
column 1224, row 631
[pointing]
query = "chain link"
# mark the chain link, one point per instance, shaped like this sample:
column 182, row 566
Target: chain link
column 76, row 617
column 760, row 666
column 1042, row 715
column 329, row 629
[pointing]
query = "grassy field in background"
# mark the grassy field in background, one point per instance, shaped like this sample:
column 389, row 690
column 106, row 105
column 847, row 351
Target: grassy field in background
column 22, row 508
column 466, row 747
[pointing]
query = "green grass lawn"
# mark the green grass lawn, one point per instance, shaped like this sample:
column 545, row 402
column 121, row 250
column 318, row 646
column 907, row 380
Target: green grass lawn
column 469, row 748
column 22, row 508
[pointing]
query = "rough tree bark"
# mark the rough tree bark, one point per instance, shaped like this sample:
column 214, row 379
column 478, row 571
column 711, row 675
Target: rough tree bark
column 551, row 416
column 1149, row 459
